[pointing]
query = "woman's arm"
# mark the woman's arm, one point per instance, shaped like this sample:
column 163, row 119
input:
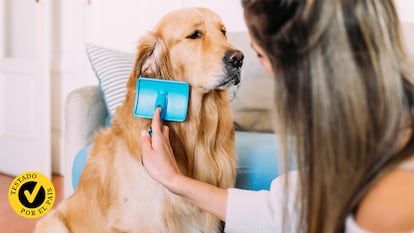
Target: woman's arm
column 203, row 195
column 158, row 159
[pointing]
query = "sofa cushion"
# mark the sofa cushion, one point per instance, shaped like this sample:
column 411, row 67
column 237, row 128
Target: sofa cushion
column 252, row 106
column 257, row 161
column 112, row 68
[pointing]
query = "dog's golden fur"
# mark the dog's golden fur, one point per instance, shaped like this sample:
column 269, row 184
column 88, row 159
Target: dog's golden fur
column 115, row 193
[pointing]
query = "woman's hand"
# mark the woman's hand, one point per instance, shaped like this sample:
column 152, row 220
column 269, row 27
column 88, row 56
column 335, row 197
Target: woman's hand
column 159, row 161
column 157, row 154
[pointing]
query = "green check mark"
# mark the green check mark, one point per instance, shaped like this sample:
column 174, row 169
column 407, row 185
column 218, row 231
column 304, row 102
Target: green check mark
column 31, row 196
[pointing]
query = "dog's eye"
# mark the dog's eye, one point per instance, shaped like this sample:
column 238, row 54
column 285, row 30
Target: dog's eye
column 195, row 35
column 223, row 30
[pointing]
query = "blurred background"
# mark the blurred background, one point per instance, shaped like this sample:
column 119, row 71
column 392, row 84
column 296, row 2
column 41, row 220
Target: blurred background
column 43, row 58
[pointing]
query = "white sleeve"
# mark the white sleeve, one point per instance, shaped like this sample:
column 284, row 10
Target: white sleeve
column 258, row 211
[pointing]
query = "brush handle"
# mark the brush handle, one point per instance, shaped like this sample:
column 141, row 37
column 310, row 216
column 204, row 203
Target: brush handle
column 161, row 101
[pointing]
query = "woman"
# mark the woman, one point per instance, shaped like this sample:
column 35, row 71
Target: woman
column 344, row 90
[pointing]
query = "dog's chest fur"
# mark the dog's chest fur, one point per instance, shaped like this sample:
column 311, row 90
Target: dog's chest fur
column 143, row 205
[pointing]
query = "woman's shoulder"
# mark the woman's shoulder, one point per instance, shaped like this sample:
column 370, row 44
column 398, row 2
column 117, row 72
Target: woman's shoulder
column 389, row 205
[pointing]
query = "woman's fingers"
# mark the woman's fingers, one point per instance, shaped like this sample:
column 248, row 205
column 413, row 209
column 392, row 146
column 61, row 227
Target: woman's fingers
column 146, row 142
column 166, row 133
column 156, row 121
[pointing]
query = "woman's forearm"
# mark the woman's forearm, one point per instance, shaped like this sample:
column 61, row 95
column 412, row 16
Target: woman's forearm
column 207, row 197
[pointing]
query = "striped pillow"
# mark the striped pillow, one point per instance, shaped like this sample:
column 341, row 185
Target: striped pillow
column 112, row 68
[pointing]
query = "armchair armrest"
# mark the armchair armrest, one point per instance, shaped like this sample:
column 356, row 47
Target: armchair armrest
column 85, row 113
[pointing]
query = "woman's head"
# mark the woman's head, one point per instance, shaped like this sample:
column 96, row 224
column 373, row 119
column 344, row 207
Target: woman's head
column 342, row 84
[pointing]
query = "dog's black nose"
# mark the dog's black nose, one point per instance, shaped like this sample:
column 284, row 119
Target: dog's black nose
column 234, row 58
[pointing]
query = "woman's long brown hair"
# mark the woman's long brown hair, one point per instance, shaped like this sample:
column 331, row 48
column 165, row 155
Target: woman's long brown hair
column 342, row 87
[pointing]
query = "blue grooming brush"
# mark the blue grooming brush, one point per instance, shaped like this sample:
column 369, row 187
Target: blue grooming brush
column 171, row 96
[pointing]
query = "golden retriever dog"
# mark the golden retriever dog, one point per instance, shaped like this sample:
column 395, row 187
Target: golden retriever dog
column 115, row 193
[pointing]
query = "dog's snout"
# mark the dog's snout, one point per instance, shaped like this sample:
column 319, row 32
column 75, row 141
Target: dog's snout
column 234, row 58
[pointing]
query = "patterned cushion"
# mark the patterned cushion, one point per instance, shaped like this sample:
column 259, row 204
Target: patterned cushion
column 112, row 68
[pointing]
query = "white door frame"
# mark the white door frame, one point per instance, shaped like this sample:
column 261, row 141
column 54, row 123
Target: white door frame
column 25, row 100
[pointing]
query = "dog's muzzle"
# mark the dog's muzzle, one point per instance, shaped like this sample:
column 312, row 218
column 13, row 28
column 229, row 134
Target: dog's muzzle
column 233, row 61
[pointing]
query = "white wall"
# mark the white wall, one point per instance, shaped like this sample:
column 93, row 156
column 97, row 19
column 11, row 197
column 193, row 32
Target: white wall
column 405, row 9
column 121, row 28
column 230, row 11
column 118, row 24
column 18, row 24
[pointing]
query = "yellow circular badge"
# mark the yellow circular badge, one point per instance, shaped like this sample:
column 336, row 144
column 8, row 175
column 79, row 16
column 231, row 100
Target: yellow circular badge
column 31, row 194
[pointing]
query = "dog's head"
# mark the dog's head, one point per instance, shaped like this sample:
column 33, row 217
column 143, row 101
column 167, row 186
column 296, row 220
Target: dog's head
column 190, row 45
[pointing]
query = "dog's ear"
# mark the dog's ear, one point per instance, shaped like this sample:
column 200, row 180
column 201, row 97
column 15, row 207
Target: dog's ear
column 152, row 59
